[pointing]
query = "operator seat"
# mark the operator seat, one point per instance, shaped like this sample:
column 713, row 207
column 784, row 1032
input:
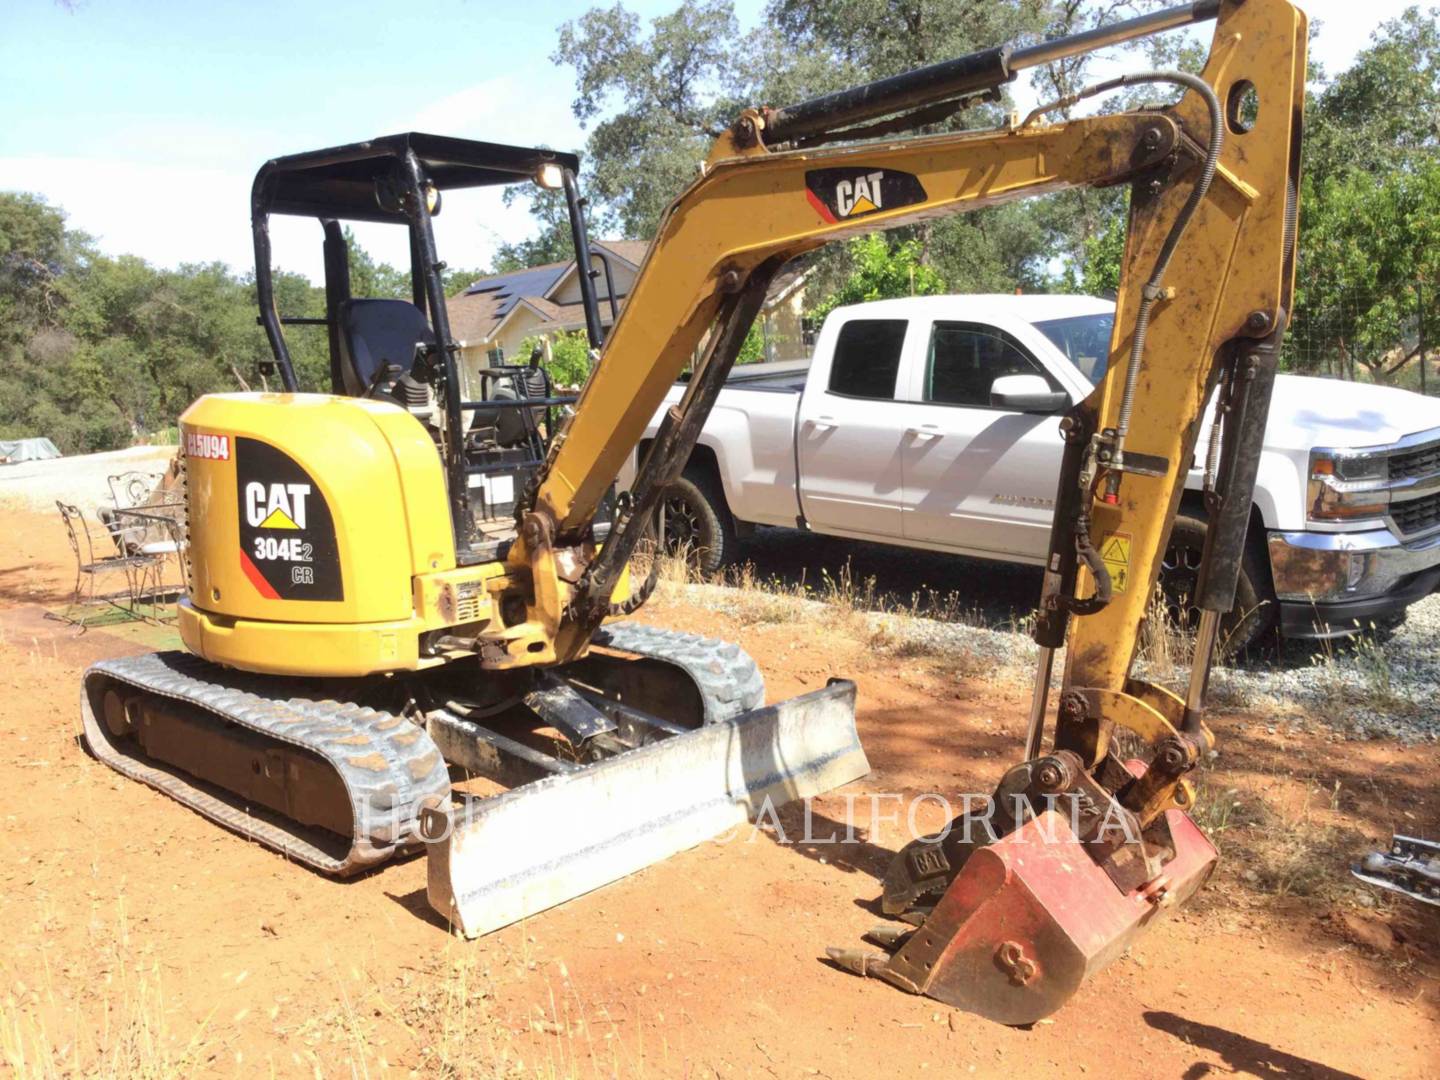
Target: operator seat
column 374, row 333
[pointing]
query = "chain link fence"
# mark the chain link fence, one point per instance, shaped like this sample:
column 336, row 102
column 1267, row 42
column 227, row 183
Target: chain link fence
column 1385, row 336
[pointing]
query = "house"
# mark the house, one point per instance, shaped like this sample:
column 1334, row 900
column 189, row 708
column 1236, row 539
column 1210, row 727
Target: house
column 493, row 316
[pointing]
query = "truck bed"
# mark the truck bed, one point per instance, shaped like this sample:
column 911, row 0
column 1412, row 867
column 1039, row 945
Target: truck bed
column 781, row 376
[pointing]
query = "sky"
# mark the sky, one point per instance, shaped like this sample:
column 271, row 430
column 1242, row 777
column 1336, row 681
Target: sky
column 145, row 120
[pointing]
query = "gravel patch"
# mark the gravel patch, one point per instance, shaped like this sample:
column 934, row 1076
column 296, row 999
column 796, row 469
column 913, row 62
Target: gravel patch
column 1359, row 688
column 1362, row 687
column 79, row 480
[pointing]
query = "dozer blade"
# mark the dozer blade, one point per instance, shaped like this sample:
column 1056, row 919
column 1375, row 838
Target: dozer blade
column 1031, row 916
column 495, row 861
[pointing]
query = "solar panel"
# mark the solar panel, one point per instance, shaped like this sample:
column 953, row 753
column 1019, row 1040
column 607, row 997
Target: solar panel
column 511, row 287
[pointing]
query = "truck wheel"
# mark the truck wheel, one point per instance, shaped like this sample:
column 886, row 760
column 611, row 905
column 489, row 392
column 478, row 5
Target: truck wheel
column 1254, row 613
column 698, row 523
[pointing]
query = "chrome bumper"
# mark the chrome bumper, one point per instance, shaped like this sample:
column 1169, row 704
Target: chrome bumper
column 1328, row 568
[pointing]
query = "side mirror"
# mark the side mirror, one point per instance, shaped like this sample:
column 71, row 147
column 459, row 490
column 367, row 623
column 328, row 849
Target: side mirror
column 1027, row 394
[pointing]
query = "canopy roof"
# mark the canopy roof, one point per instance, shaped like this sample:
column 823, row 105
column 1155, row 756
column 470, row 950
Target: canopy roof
column 340, row 182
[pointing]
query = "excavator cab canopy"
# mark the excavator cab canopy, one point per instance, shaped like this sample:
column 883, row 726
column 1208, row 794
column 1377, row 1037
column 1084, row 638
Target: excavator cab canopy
column 403, row 350
column 343, row 181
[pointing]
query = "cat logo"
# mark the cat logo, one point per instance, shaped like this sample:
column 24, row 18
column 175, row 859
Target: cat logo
column 855, row 191
column 276, row 506
column 862, row 195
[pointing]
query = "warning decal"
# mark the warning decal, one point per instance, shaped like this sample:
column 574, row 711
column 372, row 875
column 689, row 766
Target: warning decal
column 287, row 536
column 1115, row 553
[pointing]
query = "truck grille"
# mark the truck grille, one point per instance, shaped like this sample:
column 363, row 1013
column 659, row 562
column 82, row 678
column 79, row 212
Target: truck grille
column 1414, row 464
column 1416, row 515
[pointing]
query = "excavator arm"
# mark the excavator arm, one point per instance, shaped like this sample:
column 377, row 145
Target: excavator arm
column 758, row 204
column 1205, row 294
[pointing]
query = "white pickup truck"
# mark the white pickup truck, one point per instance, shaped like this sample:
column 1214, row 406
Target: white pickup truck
column 933, row 422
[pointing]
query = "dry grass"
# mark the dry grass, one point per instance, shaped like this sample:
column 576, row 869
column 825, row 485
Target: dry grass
column 846, row 605
column 1218, row 810
column 1298, row 855
column 126, row 1033
column 1355, row 674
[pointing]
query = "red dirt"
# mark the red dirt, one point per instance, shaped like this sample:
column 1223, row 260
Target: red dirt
column 138, row 932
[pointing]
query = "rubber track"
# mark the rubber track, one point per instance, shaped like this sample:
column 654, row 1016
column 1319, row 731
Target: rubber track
column 727, row 676
column 383, row 759
column 397, row 769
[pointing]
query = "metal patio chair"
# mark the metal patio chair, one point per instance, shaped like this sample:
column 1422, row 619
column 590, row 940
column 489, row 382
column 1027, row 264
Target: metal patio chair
column 92, row 569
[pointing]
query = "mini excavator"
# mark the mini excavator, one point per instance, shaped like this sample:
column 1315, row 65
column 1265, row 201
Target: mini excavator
column 365, row 611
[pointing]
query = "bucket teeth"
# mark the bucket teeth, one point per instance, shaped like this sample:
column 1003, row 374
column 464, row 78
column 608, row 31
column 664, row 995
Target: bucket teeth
column 915, row 916
column 859, row 961
column 888, row 935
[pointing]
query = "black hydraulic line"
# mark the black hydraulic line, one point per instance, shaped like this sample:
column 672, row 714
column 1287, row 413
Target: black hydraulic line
column 1072, row 517
column 671, row 447
column 576, row 206
column 428, row 267
column 1152, row 289
column 963, row 76
column 1085, row 550
column 975, row 74
column 265, row 290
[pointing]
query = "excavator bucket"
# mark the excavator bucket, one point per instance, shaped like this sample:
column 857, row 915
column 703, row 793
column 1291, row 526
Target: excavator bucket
column 1032, row 916
column 495, row 861
column 1029, row 918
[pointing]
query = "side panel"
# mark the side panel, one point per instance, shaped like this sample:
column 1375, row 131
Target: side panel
column 848, row 444
column 752, row 434
column 310, row 509
column 977, row 479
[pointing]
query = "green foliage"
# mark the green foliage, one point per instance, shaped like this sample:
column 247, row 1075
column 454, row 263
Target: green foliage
column 1380, row 115
column 1370, row 207
column 371, row 278
column 883, row 267
column 1368, row 240
column 752, row 349
column 655, row 95
column 569, row 363
column 664, row 78
column 1102, row 254
column 98, row 352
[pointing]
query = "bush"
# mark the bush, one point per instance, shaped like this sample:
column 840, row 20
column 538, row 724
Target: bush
column 569, row 363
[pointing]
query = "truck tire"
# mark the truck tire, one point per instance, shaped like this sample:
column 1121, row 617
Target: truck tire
column 1248, row 624
column 697, row 521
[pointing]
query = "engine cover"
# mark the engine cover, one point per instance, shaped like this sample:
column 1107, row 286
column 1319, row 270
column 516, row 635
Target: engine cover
column 309, row 512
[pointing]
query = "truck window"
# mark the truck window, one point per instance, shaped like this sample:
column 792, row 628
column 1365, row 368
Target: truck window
column 867, row 358
column 965, row 358
column 1084, row 339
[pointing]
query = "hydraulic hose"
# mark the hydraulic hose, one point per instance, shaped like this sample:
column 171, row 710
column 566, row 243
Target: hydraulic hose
column 637, row 597
column 1085, row 549
column 1150, row 292
column 1152, row 288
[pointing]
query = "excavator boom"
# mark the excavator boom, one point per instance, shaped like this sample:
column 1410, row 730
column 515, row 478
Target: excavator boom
column 1205, row 294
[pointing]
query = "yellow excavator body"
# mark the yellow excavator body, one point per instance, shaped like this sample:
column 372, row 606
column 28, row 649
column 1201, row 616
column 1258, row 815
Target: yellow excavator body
column 354, row 625
column 319, row 537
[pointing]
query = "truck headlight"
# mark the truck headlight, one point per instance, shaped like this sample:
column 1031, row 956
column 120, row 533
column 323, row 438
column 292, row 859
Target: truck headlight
column 1347, row 485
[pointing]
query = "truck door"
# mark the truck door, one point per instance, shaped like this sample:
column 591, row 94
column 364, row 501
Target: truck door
column 848, row 430
column 979, row 476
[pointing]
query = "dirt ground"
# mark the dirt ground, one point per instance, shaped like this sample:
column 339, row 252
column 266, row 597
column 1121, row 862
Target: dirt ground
column 138, row 937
